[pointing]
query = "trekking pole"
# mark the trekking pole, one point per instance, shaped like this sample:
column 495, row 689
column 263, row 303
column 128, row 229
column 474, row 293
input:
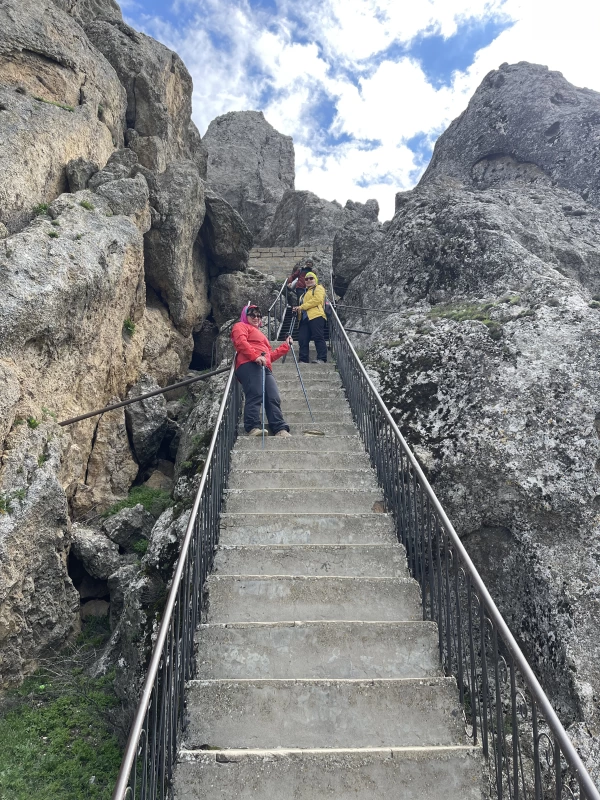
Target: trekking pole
column 263, row 405
column 314, row 432
column 290, row 333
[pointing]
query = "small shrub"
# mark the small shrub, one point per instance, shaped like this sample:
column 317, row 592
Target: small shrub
column 79, row 236
column 47, row 413
column 32, row 422
column 41, row 208
column 87, row 205
column 4, row 504
column 19, row 494
column 594, row 304
column 42, row 458
column 129, row 326
column 53, row 234
column 56, row 223
column 140, row 547
column 154, row 500
column 18, row 421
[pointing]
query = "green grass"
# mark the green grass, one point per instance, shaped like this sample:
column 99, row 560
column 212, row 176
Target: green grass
column 64, row 107
column 140, row 547
column 41, row 208
column 594, row 304
column 56, row 732
column 154, row 500
column 87, row 205
column 476, row 311
column 32, row 422
column 53, row 234
column 129, row 326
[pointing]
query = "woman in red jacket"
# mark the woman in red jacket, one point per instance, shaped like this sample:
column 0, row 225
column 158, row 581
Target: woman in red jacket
column 253, row 352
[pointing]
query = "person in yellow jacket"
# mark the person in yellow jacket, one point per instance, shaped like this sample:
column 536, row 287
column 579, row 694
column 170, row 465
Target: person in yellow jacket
column 312, row 317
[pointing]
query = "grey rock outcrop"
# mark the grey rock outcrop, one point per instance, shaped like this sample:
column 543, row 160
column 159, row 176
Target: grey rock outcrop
column 226, row 237
column 175, row 261
column 128, row 526
column 490, row 364
column 86, row 10
column 159, row 95
column 230, row 292
column 58, row 94
column 524, row 122
column 167, row 352
column 97, row 553
column 303, row 218
column 250, row 164
column 79, row 171
column 355, row 245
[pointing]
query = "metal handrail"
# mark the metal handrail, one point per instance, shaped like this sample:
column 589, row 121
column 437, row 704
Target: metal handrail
column 150, row 753
column 476, row 645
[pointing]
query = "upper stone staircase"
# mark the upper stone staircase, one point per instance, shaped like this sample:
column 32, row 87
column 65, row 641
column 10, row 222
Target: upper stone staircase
column 317, row 676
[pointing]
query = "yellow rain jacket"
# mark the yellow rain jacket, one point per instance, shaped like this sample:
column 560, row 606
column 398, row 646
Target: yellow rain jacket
column 313, row 303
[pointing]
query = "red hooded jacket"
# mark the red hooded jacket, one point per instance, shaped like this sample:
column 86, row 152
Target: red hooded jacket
column 250, row 343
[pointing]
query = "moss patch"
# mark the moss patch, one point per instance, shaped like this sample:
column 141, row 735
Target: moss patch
column 154, row 500
column 476, row 311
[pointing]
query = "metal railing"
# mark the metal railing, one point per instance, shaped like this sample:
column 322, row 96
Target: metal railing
column 529, row 754
column 151, row 749
column 276, row 313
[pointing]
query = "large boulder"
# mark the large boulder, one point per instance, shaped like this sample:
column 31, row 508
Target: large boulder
column 60, row 96
column 522, row 121
column 146, row 420
column 250, row 164
column 167, row 352
column 128, row 526
column 175, row 259
column 226, row 238
column 355, row 245
column 97, row 553
column 159, row 95
column 303, row 218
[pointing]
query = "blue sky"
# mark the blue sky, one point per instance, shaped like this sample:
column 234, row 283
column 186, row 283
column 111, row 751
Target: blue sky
column 364, row 86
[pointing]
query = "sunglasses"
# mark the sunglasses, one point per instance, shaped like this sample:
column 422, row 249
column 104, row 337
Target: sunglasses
column 255, row 316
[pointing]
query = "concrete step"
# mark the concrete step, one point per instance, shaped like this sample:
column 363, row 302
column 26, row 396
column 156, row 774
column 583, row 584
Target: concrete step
column 242, row 528
column 265, row 501
column 322, row 419
column 290, row 380
column 320, row 406
column 412, row 773
column 299, row 478
column 350, row 560
column 318, row 391
column 330, row 443
column 318, row 650
column 285, row 598
column 299, row 460
column 327, row 427
column 321, row 713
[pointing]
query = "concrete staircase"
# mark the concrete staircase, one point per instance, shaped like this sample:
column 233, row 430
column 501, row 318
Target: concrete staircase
column 317, row 677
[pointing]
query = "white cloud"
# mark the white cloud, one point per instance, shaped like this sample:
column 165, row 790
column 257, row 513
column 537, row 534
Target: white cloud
column 337, row 57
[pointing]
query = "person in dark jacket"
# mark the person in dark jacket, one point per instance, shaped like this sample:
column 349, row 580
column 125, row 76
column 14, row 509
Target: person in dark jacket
column 297, row 279
column 253, row 352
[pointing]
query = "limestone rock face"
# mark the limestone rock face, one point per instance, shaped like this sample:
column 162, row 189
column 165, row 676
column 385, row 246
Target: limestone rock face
column 225, row 236
column 146, row 420
column 79, row 171
column 159, row 95
column 230, row 292
column 250, row 164
column 167, row 353
column 39, row 607
column 355, row 245
column 58, row 94
column 86, row 10
column 175, row 261
column 303, row 218
column 111, row 468
column 524, row 120
column 490, row 363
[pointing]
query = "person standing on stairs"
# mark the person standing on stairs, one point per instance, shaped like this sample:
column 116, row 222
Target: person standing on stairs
column 253, row 353
column 312, row 316
column 297, row 279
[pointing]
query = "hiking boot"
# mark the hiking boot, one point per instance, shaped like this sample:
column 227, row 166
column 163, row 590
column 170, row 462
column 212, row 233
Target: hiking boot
column 318, row 361
column 283, row 433
column 257, row 432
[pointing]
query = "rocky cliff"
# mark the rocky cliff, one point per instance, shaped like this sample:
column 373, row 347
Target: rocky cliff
column 488, row 356
column 115, row 261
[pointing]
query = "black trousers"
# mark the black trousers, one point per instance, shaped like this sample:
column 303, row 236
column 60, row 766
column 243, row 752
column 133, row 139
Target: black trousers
column 312, row 329
column 250, row 376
